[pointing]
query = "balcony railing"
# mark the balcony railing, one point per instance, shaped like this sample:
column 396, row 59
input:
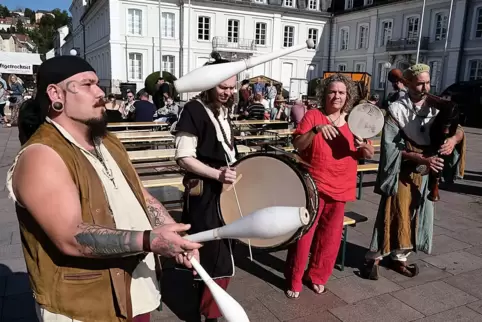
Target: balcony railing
column 407, row 44
column 232, row 43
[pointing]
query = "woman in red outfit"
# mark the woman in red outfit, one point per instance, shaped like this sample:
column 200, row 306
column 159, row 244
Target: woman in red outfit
column 324, row 140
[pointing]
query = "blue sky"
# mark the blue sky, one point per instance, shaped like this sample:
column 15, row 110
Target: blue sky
column 37, row 4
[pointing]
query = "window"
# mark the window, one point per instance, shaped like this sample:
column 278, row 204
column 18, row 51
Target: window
column 344, row 37
column 168, row 64
column 368, row 2
column 233, row 30
column 341, row 67
column 475, row 69
column 478, row 23
column 289, row 3
column 412, row 28
column 382, row 75
column 386, row 32
column 260, row 36
column 313, row 34
column 363, row 36
column 203, row 28
column 441, row 23
column 360, row 67
column 134, row 21
column 259, row 1
column 167, row 25
column 349, row 4
column 135, row 66
column 289, row 36
column 313, row 4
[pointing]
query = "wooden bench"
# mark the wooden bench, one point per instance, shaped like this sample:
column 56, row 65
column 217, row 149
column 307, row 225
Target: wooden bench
column 174, row 182
column 158, row 167
column 351, row 219
column 361, row 170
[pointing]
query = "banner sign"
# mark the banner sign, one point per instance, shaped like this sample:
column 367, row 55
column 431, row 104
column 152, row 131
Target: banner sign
column 8, row 68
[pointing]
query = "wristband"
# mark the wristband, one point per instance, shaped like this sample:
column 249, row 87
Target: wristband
column 146, row 241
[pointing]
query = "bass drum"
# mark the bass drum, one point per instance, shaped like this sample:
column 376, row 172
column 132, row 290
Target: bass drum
column 266, row 180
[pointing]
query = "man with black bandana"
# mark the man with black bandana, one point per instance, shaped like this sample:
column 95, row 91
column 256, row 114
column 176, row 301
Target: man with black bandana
column 90, row 232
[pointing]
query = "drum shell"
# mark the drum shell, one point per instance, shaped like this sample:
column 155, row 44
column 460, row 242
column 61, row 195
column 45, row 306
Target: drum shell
column 269, row 180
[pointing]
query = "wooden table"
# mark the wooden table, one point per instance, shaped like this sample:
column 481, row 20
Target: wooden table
column 149, row 140
column 137, row 124
column 154, row 155
column 144, row 135
column 281, row 132
column 259, row 122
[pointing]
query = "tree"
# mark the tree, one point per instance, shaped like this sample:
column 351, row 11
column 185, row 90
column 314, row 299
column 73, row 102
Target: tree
column 19, row 27
column 29, row 13
column 4, row 12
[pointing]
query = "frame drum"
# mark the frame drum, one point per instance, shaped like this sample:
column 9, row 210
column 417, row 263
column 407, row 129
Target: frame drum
column 266, row 180
column 366, row 120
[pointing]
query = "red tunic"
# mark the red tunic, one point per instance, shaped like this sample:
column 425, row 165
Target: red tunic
column 334, row 163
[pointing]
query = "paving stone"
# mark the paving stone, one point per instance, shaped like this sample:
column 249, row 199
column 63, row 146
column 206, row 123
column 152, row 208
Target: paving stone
column 476, row 250
column 434, row 297
column 256, row 311
column 17, row 307
column 437, row 230
column 471, row 236
column 428, row 273
column 324, row 316
column 353, row 289
column 248, row 288
column 443, row 244
column 459, row 314
column 470, row 282
column 381, row 308
column 309, row 303
column 11, row 251
column 456, row 262
column 476, row 306
column 16, row 238
column 17, row 284
column 6, row 238
column 454, row 223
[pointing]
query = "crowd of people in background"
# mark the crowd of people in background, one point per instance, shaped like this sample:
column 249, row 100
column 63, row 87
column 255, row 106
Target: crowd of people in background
column 12, row 92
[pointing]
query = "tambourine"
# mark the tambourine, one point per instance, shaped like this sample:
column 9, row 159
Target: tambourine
column 365, row 120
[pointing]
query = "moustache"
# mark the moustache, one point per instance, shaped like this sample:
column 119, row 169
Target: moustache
column 100, row 103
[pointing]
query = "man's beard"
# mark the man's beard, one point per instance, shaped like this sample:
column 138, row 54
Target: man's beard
column 97, row 126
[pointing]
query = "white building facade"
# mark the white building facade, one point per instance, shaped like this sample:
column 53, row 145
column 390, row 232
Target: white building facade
column 367, row 37
column 122, row 37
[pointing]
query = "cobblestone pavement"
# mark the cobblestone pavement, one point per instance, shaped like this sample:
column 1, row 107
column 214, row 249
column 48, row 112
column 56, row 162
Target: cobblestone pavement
column 449, row 287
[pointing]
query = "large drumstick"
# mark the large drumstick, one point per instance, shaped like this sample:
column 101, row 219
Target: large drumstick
column 207, row 77
column 264, row 223
column 231, row 310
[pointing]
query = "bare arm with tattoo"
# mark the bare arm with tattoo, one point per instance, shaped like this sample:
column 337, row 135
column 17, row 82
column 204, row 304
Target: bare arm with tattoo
column 43, row 185
column 156, row 211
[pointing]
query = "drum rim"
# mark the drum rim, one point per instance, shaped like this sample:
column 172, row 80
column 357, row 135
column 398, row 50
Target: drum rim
column 289, row 241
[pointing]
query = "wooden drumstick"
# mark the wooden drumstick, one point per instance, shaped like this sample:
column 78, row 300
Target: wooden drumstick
column 239, row 207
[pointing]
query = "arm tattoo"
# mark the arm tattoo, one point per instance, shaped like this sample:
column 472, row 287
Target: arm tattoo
column 157, row 212
column 98, row 241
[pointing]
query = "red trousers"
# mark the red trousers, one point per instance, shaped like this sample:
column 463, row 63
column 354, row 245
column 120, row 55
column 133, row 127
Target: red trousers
column 146, row 317
column 208, row 307
column 324, row 239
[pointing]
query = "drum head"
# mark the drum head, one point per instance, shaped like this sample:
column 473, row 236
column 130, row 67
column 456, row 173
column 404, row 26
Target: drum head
column 366, row 120
column 267, row 180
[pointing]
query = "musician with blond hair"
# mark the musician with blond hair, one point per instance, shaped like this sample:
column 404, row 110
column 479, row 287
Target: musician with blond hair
column 405, row 215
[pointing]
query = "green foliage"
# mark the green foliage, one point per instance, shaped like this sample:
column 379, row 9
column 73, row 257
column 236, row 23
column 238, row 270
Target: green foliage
column 151, row 80
column 43, row 36
column 19, row 27
column 4, row 12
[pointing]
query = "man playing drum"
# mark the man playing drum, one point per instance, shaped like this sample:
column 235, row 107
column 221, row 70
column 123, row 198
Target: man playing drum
column 89, row 229
column 405, row 215
column 204, row 147
column 325, row 141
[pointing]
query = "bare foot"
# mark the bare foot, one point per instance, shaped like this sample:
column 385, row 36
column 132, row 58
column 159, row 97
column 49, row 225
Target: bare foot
column 318, row 288
column 292, row 294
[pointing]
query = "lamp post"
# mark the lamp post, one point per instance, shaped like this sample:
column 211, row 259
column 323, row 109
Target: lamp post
column 420, row 32
column 160, row 39
column 386, row 68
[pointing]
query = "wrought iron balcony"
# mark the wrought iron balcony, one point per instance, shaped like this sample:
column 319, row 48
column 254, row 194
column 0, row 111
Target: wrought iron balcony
column 233, row 44
column 407, row 44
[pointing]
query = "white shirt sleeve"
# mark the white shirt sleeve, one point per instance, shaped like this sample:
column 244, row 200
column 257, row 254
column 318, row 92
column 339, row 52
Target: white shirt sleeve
column 186, row 144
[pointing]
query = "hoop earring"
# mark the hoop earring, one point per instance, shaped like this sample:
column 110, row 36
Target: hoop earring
column 58, row 107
